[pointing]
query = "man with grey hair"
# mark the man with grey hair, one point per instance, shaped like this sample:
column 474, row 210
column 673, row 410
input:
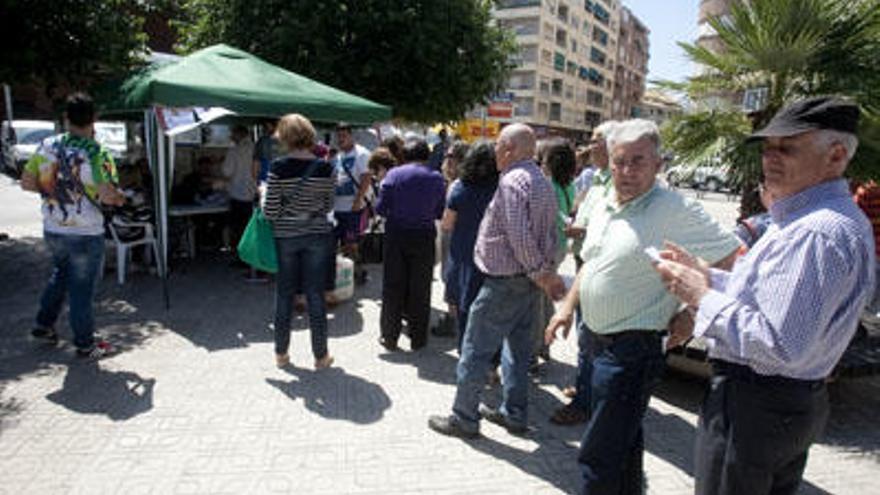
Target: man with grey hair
column 516, row 250
column 778, row 323
column 624, row 303
column 578, row 410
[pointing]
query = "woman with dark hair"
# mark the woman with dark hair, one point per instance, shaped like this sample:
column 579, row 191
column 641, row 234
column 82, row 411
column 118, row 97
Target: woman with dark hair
column 558, row 162
column 466, row 203
column 447, row 326
column 394, row 144
column 380, row 162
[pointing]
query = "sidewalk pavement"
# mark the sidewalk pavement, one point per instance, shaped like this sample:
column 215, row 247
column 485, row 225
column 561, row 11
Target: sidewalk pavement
column 194, row 404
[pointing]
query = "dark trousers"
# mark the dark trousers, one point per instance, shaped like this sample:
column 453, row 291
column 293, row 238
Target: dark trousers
column 302, row 258
column 626, row 367
column 406, row 289
column 239, row 215
column 754, row 432
column 585, row 357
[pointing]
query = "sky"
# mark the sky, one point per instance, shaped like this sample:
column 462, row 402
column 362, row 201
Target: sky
column 669, row 21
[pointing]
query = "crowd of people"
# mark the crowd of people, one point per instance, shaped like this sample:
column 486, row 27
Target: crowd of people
column 777, row 302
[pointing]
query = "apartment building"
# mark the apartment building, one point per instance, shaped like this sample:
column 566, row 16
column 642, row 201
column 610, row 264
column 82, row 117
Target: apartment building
column 632, row 67
column 706, row 35
column 708, row 38
column 658, row 106
column 563, row 82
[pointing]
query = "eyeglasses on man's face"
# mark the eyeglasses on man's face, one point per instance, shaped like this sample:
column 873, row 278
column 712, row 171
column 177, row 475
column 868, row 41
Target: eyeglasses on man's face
column 637, row 162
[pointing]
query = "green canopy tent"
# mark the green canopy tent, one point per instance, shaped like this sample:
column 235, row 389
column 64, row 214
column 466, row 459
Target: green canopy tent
column 221, row 76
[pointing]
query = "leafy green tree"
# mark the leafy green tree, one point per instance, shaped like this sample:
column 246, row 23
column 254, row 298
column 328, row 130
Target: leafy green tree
column 70, row 44
column 794, row 49
column 431, row 61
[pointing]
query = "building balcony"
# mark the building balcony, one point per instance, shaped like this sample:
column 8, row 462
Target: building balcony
column 528, row 39
column 517, row 5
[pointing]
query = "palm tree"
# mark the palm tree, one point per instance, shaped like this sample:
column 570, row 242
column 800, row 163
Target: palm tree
column 791, row 49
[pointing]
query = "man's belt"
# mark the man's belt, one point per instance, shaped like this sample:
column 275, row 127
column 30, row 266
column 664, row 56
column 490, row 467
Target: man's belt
column 746, row 374
column 502, row 277
column 610, row 338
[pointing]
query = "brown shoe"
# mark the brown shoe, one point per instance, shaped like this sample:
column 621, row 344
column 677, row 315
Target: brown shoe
column 570, row 392
column 282, row 360
column 324, row 362
column 568, row 415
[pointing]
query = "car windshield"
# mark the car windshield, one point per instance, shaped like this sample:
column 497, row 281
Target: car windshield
column 32, row 136
column 110, row 134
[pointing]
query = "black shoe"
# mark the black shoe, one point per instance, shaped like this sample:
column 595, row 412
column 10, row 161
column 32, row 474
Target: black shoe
column 388, row 344
column 450, row 426
column 45, row 334
column 495, row 416
column 445, row 327
column 418, row 345
column 360, row 277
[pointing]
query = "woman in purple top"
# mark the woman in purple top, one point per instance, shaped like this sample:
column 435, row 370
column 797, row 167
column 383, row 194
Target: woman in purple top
column 468, row 198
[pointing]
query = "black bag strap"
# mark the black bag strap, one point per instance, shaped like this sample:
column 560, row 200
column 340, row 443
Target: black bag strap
column 310, row 169
column 106, row 210
column 350, row 176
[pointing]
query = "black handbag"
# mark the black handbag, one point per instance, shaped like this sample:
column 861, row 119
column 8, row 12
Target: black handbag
column 372, row 243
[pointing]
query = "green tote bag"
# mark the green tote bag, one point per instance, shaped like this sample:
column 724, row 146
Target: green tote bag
column 257, row 245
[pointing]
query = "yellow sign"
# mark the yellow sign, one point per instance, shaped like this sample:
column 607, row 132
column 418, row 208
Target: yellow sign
column 473, row 130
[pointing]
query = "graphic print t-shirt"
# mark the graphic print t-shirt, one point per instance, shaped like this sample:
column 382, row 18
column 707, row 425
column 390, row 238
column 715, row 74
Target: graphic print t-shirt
column 354, row 161
column 69, row 170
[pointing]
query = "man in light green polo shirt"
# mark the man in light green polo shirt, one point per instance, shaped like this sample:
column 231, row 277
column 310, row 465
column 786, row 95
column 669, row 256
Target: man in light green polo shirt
column 578, row 410
column 601, row 184
column 624, row 302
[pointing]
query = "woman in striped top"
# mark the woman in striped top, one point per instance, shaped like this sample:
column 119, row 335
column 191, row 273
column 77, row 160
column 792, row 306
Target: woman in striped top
column 299, row 198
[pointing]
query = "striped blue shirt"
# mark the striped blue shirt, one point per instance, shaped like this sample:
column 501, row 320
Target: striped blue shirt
column 791, row 305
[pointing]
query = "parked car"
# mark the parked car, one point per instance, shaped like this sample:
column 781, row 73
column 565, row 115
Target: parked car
column 706, row 178
column 20, row 143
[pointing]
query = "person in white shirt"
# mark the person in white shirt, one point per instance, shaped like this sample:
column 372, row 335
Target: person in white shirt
column 353, row 179
column 241, row 185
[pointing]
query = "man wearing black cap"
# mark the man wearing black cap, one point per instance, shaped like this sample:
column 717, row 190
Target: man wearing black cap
column 779, row 322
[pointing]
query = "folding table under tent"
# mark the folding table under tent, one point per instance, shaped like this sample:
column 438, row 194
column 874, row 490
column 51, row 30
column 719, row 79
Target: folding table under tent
column 230, row 81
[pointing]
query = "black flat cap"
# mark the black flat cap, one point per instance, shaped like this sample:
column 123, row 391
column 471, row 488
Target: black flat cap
column 820, row 112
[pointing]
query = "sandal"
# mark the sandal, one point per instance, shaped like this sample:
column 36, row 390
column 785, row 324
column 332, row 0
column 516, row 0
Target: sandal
column 568, row 415
column 324, row 362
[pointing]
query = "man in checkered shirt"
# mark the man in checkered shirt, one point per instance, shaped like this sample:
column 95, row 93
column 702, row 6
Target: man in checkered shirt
column 515, row 249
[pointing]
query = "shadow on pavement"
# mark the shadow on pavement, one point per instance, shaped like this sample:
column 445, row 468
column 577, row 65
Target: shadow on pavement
column 431, row 363
column 334, row 394
column 90, row 389
column 552, row 461
column 852, row 424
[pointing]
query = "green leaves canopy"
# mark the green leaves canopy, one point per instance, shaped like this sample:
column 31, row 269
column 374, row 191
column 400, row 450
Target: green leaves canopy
column 69, row 43
column 431, row 61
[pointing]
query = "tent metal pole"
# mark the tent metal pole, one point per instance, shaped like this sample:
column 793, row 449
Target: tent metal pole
column 163, row 207
column 151, row 150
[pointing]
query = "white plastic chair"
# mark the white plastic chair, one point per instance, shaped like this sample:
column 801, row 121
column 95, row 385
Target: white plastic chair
column 123, row 246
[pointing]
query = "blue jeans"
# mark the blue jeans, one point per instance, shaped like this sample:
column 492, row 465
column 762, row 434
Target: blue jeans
column 493, row 320
column 624, row 372
column 302, row 258
column 76, row 260
column 585, row 356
